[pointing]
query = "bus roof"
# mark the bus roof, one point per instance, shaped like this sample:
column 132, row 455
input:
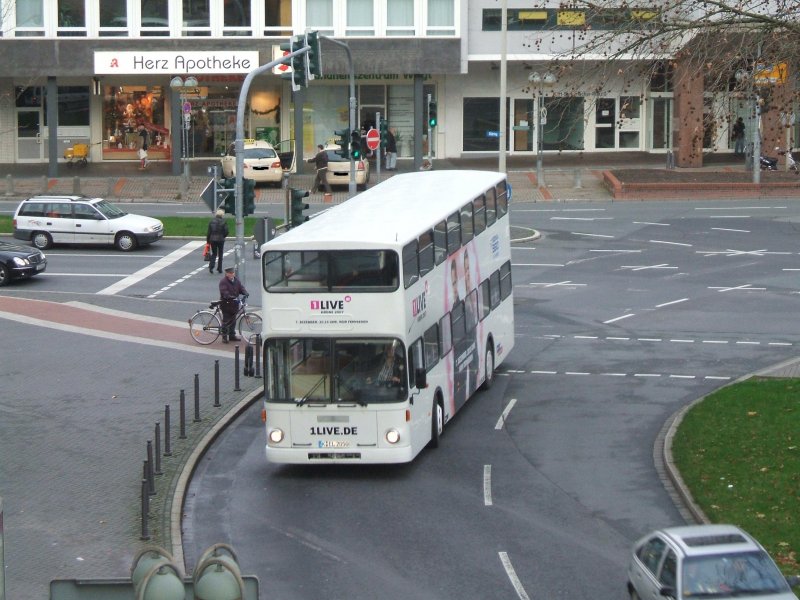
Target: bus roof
column 392, row 212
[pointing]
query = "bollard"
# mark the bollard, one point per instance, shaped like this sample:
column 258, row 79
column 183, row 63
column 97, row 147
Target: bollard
column 145, row 511
column 158, row 449
column 248, row 360
column 146, row 188
column 236, row 387
column 216, row 383
column 9, row 185
column 258, row 356
column 110, row 188
column 76, row 185
column 167, row 435
column 197, row 397
column 182, row 411
column 151, row 482
column 44, row 185
column 670, row 159
column 578, row 179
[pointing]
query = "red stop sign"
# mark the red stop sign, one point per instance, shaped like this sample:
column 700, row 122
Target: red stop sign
column 373, row 139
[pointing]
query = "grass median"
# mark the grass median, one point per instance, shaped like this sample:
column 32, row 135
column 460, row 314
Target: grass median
column 738, row 451
column 173, row 226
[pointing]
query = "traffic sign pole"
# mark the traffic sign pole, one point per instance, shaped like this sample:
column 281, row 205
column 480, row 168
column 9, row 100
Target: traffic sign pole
column 374, row 142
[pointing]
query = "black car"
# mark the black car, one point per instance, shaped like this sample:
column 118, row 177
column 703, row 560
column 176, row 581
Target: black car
column 19, row 262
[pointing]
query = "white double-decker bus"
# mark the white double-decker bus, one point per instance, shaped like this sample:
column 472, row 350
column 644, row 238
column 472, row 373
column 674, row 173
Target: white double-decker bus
column 383, row 315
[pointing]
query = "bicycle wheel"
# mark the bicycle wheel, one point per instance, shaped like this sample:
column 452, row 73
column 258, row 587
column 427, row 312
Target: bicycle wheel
column 204, row 327
column 249, row 327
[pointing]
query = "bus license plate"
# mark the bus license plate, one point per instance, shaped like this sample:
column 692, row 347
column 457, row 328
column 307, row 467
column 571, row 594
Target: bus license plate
column 334, row 444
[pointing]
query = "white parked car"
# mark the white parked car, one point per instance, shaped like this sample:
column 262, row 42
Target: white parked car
column 704, row 561
column 261, row 162
column 48, row 220
column 339, row 169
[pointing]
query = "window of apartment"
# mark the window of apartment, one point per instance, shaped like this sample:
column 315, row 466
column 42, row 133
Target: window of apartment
column 71, row 18
column 113, row 18
column 155, row 18
column 319, row 16
column 30, row 18
column 236, row 18
column 540, row 18
column 360, row 18
column 400, row 17
column 278, row 18
column 196, row 18
column 441, row 17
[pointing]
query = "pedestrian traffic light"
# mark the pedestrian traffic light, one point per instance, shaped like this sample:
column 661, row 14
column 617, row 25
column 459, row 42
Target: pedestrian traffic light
column 298, row 206
column 314, row 55
column 249, row 196
column 384, row 128
column 229, row 183
column 342, row 140
column 299, row 68
column 432, row 120
column 355, row 145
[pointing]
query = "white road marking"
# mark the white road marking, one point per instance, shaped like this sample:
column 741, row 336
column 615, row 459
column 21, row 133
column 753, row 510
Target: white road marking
column 169, row 286
column 670, row 243
column 648, row 339
column 87, row 275
column 617, row 251
column 642, row 375
column 744, row 288
column 671, row 302
column 145, row 272
column 592, row 234
column 581, row 218
column 648, row 223
column 646, row 267
column 501, row 421
column 618, row 318
column 732, row 230
column 736, row 208
column 512, row 575
column 536, row 265
column 556, row 283
column 487, row 485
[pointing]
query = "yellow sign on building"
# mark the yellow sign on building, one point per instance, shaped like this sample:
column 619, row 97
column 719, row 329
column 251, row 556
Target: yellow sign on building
column 771, row 74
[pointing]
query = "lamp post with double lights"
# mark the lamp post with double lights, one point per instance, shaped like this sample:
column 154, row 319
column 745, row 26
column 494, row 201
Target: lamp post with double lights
column 182, row 86
column 746, row 76
column 540, row 80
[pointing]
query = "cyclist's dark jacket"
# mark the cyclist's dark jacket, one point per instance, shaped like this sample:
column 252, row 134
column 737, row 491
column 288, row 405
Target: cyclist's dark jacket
column 230, row 290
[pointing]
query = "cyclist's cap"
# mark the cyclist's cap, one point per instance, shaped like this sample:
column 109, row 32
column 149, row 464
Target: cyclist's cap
column 230, row 269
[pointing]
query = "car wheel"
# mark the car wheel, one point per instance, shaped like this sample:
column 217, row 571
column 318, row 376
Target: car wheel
column 437, row 422
column 42, row 240
column 489, row 369
column 5, row 275
column 125, row 241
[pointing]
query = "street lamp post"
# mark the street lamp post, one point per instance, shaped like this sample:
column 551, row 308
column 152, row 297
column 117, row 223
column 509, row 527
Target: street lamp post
column 540, row 80
column 178, row 84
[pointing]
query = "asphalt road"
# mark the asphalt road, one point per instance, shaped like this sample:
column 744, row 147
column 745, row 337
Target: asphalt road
column 625, row 312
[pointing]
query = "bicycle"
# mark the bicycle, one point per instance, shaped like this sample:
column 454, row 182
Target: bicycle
column 205, row 326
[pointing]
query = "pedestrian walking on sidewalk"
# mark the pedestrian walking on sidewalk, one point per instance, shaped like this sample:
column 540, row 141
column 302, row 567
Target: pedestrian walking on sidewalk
column 391, row 149
column 215, row 237
column 230, row 288
column 738, row 136
column 143, row 145
column 320, row 161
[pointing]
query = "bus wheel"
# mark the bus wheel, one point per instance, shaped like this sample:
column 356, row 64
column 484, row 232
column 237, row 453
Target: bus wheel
column 489, row 364
column 437, row 423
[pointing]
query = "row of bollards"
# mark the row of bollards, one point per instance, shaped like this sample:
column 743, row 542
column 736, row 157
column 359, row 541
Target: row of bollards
column 77, row 188
column 152, row 464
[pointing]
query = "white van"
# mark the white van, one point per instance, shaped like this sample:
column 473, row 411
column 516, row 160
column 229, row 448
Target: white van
column 48, row 220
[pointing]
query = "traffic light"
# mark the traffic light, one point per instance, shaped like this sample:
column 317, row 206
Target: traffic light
column 384, row 128
column 298, row 206
column 432, row 120
column 355, row 145
column 342, row 140
column 229, row 183
column 314, row 55
column 299, row 74
column 249, row 199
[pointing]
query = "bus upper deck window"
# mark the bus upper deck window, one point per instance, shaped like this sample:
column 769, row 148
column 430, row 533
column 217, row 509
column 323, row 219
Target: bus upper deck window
column 502, row 199
column 440, row 242
column 491, row 208
column 467, row 227
column 453, row 233
column 410, row 264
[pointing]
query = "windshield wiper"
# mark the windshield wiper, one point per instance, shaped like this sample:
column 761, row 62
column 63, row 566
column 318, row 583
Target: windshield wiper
column 304, row 399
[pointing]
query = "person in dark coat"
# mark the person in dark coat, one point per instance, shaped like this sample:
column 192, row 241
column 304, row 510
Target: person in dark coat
column 320, row 161
column 215, row 236
column 391, row 150
column 230, row 288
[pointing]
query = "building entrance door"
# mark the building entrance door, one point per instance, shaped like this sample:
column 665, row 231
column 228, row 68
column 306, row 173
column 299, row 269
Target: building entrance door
column 522, row 125
column 31, row 145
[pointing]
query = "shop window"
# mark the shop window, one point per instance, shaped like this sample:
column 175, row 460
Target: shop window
column 565, row 123
column 400, row 17
column 73, row 106
column 360, row 18
column 124, row 109
column 278, row 18
column 481, row 123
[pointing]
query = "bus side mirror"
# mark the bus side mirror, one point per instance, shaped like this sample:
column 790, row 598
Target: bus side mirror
column 421, row 378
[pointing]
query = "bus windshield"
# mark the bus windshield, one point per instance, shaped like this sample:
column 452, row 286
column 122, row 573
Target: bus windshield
column 331, row 270
column 315, row 370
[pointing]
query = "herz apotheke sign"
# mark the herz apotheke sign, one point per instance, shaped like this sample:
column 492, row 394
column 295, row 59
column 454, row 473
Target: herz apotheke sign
column 174, row 63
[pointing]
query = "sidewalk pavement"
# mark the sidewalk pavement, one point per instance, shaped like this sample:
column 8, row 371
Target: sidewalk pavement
column 566, row 177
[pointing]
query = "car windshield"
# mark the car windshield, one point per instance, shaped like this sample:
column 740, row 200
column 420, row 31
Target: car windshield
column 109, row 210
column 260, row 153
column 731, row 575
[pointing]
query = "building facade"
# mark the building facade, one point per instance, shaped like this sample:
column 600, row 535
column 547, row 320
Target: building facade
column 403, row 52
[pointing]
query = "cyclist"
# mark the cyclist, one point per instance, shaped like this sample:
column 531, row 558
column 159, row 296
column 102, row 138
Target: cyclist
column 230, row 288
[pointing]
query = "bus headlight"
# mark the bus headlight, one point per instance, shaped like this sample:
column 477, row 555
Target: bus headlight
column 275, row 436
column 393, row 436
